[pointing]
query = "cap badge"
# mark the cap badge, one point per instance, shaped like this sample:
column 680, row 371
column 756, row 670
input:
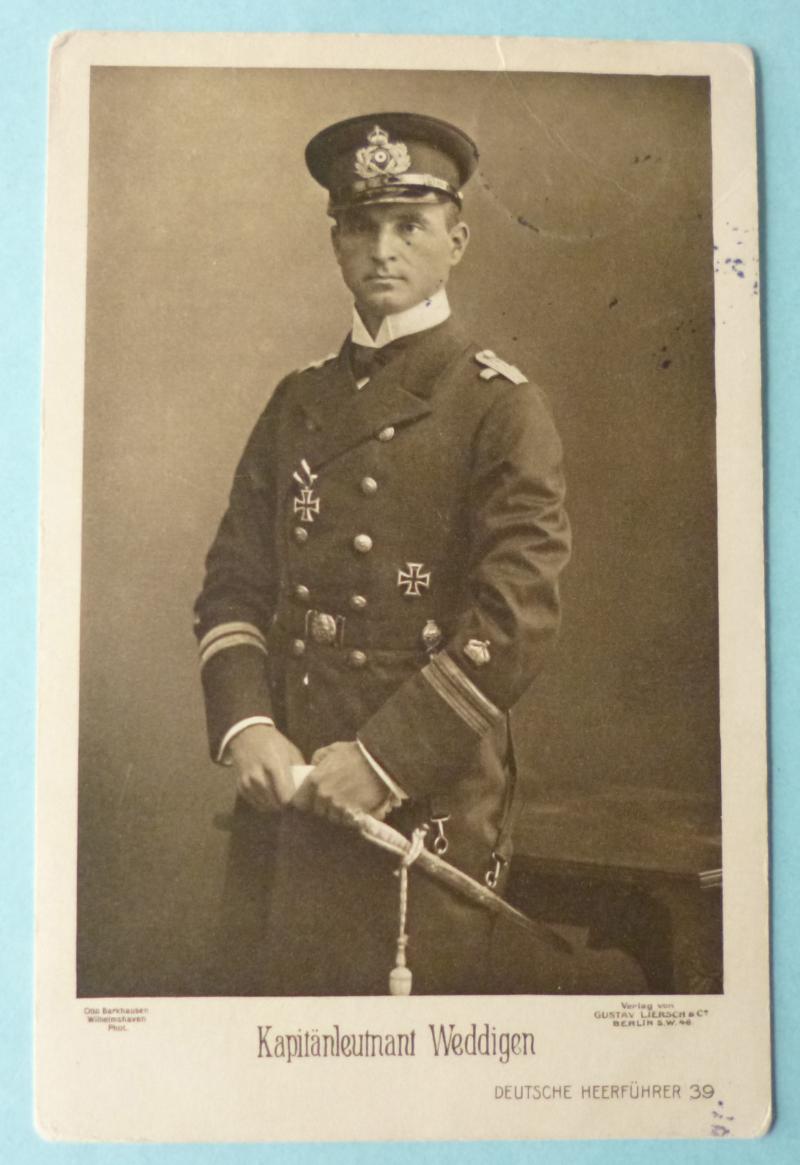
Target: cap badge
column 381, row 156
column 413, row 580
column 477, row 650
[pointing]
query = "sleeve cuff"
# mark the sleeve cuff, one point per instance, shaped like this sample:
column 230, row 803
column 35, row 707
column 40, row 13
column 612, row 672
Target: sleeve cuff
column 449, row 715
column 238, row 727
column 468, row 702
column 398, row 796
column 225, row 635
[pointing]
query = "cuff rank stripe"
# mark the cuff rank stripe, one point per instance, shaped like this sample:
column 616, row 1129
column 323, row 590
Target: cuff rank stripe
column 448, row 681
column 230, row 635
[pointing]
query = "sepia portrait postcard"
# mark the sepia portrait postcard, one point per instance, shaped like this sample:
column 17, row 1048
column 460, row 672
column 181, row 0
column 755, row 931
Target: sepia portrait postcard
column 402, row 720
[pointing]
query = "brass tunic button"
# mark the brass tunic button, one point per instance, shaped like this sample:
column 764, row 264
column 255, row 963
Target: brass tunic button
column 298, row 647
column 369, row 486
column 303, row 594
column 311, row 426
column 300, row 534
column 362, row 543
column 358, row 602
column 386, row 434
column 357, row 659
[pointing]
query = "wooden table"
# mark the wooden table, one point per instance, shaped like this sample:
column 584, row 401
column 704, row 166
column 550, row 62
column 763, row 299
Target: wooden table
column 641, row 868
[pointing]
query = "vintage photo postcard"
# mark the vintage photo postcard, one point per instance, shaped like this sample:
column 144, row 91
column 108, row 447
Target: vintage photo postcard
column 402, row 749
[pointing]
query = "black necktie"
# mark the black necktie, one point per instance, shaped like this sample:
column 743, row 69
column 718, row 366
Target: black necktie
column 365, row 361
column 362, row 360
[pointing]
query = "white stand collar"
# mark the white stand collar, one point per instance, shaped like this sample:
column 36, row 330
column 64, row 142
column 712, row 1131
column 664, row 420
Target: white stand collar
column 418, row 318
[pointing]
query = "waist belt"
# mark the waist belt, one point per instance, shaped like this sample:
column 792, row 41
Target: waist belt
column 335, row 630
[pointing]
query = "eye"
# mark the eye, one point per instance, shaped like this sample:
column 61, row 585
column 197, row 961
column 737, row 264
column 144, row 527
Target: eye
column 409, row 227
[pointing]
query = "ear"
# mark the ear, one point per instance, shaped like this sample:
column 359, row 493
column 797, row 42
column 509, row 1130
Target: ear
column 459, row 237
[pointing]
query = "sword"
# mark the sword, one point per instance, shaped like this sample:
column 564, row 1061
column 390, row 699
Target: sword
column 390, row 839
column 413, row 851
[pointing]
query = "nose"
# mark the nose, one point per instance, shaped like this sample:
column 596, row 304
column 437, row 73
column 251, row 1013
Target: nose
column 383, row 243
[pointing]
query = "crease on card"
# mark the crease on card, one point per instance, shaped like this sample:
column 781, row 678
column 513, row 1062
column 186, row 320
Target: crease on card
column 498, row 44
column 62, row 40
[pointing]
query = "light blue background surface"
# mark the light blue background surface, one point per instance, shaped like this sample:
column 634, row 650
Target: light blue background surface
column 772, row 28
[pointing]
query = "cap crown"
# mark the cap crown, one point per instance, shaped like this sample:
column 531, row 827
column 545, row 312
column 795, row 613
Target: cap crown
column 390, row 157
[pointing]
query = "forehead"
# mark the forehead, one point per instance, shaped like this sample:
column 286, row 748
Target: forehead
column 374, row 214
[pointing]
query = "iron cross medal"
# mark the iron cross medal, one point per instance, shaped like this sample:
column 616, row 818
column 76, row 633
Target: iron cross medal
column 413, row 580
column 307, row 504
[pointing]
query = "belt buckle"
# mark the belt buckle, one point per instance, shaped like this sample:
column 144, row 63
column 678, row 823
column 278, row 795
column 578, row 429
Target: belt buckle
column 324, row 629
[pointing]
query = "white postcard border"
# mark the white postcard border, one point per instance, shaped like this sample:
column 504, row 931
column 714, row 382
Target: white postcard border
column 189, row 1070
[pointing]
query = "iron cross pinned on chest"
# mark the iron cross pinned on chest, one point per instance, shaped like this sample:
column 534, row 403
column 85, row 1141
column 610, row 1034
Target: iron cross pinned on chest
column 307, row 504
column 413, row 580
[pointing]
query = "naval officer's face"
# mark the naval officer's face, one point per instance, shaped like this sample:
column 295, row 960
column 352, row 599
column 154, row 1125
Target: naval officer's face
column 395, row 255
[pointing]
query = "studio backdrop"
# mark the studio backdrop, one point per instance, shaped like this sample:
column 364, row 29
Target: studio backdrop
column 211, row 275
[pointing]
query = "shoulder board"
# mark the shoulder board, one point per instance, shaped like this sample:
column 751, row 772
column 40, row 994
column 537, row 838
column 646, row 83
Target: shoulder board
column 494, row 366
column 319, row 363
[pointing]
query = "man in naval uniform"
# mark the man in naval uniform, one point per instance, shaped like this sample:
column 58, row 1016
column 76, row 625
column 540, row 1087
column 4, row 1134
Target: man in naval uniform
column 382, row 590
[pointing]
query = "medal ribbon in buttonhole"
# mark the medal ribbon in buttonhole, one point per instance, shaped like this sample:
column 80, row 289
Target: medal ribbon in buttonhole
column 307, row 503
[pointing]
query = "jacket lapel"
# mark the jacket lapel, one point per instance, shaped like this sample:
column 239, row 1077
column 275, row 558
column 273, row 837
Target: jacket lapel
column 339, row 416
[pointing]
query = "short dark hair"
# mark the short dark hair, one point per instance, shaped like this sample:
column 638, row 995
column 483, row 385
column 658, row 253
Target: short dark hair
column 453, row 216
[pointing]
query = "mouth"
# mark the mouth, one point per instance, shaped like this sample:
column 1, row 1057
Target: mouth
column 389, row 280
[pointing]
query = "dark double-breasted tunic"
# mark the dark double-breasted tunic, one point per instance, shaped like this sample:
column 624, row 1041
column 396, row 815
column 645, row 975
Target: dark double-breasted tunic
column 386, row 569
